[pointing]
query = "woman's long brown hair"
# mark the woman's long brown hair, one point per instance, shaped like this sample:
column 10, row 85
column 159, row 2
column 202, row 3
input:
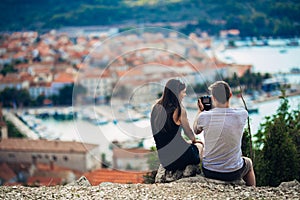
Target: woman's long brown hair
column 170, row 95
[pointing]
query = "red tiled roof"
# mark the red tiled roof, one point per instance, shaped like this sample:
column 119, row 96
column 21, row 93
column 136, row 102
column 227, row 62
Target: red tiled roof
column 54, row 168
column 41, row 84
column 15, row 144
column 64, row 78
column 95, row 73
column 13, row 184
column 50, row 174
column 45, row 181
column 108, row 175
column 11, row 78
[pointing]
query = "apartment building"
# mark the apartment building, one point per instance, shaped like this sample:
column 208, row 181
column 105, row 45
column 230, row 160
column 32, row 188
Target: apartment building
column 73, row 155
column 130, row 159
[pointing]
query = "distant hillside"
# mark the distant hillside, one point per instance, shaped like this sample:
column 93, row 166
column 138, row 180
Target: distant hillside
column 253, row 18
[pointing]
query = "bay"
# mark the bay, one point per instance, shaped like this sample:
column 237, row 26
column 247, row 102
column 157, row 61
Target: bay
column 263, row 59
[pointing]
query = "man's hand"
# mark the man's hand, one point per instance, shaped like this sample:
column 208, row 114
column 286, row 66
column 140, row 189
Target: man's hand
column 200, row 105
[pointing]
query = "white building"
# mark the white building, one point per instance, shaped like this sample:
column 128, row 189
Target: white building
column 37, row 89
column 99, row 83
column 130, row 159
column 73, row 155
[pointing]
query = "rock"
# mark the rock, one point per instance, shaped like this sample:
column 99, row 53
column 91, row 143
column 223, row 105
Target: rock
column 161, row 175
column 199, row 178
column 165, row 176
column 173, row 176
column 191, row 170
column 82, row 181
column 290, row 184
column 192, row 174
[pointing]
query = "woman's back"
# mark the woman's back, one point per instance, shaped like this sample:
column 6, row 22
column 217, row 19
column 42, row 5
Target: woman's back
column 163, row 126
column 171, row 147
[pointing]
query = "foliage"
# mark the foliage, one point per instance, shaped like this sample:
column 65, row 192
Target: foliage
column 153, row 163
column 252, row 18
column 11, row 97
column 7, row 69
column 277, row 147
column 105, row 163
column 149, row 178
column 249, row 81
column 65, row 96
column 12, row 130
column 39, row 101
column 246, row 144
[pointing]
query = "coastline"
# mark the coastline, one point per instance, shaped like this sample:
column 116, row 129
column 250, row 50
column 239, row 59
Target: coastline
column 275, row 97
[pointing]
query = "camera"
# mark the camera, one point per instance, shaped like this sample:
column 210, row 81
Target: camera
column 206, row 101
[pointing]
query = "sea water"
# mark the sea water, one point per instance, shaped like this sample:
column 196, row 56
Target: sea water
column 263, row 59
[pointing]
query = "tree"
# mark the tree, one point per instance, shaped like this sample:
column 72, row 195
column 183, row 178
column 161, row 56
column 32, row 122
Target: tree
column 65, row 95
column 277, row 158
column 13, row 131
column 40, row 100
column 153, row 163
column 11, row 97
column 246, row 144
column 8, row 68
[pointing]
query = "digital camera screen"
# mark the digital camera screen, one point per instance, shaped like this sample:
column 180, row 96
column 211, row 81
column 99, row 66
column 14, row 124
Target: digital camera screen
column 205, row 100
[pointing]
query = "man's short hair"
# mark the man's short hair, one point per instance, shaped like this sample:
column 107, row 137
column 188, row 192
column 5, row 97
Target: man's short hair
column 221, row 91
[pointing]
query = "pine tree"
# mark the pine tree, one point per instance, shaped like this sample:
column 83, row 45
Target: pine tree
column 277, row 158
column 246, row 143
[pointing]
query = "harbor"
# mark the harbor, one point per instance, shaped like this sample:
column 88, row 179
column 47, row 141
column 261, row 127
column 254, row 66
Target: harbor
column 104, row 123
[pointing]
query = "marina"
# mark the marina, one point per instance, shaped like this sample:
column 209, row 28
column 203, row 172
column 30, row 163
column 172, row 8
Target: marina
column 102, row 124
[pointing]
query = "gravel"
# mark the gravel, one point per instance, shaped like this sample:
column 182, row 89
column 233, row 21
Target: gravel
column 174, row 190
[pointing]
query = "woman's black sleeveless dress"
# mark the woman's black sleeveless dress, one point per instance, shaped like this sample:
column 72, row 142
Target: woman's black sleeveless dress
column 173, row 151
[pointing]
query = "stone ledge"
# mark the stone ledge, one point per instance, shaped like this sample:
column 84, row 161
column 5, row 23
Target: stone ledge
column 165, row 176
column 191, row 174
column 199, row 178
column 182, row 189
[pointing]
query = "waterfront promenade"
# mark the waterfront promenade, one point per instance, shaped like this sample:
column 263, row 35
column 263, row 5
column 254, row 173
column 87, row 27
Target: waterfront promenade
column 269, row 98
column 23, row 128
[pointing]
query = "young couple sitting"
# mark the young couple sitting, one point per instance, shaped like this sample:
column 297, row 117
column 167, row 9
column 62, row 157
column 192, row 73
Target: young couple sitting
column 222, row 128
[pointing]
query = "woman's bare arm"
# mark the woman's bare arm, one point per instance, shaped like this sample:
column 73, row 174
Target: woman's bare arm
column 186, row 126
column 198, row 130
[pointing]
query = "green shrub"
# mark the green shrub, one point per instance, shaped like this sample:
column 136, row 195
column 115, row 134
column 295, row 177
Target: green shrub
column 277, row 147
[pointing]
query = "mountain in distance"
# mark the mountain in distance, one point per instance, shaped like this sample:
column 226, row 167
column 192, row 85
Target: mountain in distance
column 252, row 18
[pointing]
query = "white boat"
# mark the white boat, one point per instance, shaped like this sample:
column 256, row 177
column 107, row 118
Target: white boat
column 100, row 121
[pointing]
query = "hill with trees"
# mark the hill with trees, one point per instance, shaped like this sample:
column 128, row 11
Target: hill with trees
column 252, row 18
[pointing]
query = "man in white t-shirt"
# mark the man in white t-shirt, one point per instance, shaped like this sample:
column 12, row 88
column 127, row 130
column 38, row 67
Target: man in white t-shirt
column 223, row 128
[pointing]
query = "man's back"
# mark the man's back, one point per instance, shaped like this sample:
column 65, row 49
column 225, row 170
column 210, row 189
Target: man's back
column 223, row 131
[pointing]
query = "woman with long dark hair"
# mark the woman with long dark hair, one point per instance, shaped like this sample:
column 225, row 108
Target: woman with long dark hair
column 168, row 119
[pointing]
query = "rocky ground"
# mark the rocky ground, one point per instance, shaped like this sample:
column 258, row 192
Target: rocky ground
column 186, row 188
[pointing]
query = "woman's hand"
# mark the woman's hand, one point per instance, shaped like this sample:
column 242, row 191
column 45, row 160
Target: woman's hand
column 198, row 141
